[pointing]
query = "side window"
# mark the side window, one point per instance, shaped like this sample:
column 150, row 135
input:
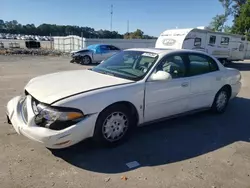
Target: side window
column 212, row 40
column 224, row 41
column 113, row 48
column 174, row 65
column 197, row 42
column 201, row 64
column 104, row 48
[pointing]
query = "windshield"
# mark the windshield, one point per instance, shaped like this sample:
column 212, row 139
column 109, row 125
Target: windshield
column 92, row 47
column 132, row 65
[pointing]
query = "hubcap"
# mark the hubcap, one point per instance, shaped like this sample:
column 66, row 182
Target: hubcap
column 115, row 126
column 221, row 100
column 86, row 60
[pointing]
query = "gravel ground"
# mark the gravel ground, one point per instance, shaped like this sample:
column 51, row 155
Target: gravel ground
column 201, row 150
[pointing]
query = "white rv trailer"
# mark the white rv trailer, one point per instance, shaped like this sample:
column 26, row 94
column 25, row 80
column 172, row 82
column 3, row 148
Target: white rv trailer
column 223, row 46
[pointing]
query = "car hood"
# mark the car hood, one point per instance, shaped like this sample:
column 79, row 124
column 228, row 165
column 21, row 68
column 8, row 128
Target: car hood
column 77, row 51
column 53, row 87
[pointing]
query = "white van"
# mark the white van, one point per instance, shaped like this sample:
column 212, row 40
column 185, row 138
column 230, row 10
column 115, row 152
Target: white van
column 223, row 46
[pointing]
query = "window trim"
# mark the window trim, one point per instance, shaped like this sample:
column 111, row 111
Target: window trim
column 202, row 56
column 221, row 42
column 212, row 36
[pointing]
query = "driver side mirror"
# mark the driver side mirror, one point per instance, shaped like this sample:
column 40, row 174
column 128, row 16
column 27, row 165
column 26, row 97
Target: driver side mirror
column 160, row 76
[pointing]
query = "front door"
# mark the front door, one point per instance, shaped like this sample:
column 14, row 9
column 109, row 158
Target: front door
column 170, row 97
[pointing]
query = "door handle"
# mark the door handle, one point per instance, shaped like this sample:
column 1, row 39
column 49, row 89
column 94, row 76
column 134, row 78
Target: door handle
column 184, row 84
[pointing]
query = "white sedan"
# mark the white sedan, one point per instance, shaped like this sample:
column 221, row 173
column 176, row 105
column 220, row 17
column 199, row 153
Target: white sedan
column 132, row 88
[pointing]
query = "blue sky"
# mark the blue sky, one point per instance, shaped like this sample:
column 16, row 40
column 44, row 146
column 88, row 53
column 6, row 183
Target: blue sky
column 151, row 16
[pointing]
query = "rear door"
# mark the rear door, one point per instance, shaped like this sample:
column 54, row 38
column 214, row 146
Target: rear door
column 205, row 80
column 106, row 51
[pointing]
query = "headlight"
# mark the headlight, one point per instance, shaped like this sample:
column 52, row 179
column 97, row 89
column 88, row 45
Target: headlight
column 49, row 117
column 76, row 55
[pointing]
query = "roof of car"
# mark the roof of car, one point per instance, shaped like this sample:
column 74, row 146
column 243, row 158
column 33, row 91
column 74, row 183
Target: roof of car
column 161, row 50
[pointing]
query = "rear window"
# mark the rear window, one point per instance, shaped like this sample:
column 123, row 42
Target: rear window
column 201, row 64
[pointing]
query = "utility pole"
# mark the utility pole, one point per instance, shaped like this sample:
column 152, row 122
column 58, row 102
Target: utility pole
column 128, row 28
column 111, row 17
column 82, row 40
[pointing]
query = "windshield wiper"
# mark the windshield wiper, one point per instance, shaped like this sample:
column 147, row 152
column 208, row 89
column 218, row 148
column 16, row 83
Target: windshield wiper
column 113, row 74
column 108, row 73
column 104, row 72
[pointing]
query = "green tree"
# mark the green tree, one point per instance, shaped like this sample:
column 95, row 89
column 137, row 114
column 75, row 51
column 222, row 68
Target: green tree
column 2, row 25
column 242, row 21
column 218, row 22
column 138, row 34
column 236, row 7
column 227, row 29
column 62, row 30
column 231, row 8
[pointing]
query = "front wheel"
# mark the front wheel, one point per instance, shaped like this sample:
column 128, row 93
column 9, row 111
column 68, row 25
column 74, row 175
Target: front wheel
column 221, row 101
column 86, row 60
column 113, row 125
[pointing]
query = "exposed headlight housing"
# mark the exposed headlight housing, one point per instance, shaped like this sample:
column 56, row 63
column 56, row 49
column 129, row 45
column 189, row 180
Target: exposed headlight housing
column 56, row 118
column 76, row 54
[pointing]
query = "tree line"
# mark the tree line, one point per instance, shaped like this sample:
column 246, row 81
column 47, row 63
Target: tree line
column 240, row 11
column 13, row 27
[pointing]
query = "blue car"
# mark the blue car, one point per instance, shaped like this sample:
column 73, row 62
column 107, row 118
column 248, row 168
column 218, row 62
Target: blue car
column 94, row 54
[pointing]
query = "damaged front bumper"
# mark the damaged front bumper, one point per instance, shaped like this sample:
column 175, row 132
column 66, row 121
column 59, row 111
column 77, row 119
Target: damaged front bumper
column 22, row 117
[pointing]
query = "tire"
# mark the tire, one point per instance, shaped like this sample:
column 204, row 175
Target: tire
column 221, row 101
column 114, row 125
column 86, row 60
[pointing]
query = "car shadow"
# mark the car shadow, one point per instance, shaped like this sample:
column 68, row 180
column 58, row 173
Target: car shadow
column 167, row 142
column 88, row 65
column 240, row 66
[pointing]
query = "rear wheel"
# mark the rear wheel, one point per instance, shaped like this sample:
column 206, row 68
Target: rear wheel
column 86, row 60
column 221, row 101
column 114, row 125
